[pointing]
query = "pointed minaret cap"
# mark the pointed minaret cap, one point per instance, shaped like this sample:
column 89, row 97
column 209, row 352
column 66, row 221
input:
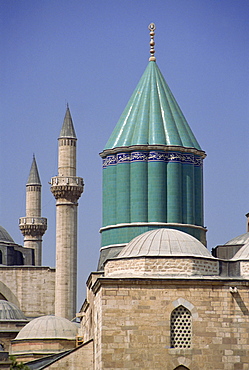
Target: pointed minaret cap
column 67, row 127
column 34, row 178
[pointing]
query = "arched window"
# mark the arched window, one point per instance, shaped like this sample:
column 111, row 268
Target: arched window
column 181, row 328
column 181, row 367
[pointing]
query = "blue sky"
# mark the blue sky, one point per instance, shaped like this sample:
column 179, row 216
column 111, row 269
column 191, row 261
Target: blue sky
column 92, row 54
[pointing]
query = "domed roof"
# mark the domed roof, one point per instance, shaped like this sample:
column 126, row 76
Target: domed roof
column 243, row 253
column 164, row 242
column 48, row 327
column 241, row 239
column 9, row 311
column 5, row 236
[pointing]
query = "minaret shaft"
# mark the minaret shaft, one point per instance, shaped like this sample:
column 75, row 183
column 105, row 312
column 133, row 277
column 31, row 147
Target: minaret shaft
column 67, row 189
column 33, row 201
column 67, row 157
column 66, row 260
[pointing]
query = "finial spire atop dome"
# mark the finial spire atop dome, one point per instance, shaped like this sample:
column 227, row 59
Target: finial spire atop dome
column 152, row 28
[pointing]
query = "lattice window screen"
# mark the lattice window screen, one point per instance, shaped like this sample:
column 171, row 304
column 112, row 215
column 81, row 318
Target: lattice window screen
column 181, row 328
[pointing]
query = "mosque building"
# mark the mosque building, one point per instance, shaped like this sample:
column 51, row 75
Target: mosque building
column 159, row 298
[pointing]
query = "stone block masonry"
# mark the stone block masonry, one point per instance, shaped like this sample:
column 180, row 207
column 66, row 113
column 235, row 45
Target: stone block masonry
column 132, row 317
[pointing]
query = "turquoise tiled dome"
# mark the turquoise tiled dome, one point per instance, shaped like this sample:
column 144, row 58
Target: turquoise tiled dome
column 152, row 116
column 152, row 169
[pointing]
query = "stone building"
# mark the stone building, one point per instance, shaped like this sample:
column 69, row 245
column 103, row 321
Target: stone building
column 166, row 302
column 159, row 299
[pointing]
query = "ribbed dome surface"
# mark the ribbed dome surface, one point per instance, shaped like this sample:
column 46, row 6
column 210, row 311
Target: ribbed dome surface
column 48, row 327
column 243, row 253
column 5, row 236
column 9, row 311
column 164, row 242
column 241, row 239
column 152, row 116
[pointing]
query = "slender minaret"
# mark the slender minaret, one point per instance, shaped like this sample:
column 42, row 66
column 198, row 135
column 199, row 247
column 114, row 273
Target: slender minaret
column 67, row 189
column 33, row 226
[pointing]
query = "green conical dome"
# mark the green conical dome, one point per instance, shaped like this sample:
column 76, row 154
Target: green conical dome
column 152, row 169
column 152, row 116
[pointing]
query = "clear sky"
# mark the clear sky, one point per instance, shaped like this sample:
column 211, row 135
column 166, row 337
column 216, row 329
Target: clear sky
column 92, row 54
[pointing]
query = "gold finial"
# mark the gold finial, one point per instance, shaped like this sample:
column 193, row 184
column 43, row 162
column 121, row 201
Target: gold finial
column 152, row 28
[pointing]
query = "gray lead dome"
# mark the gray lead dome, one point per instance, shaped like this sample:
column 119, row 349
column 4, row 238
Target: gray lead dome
column 164, row 242
column 5, row 236
column 240, row 239
column 9, row 311
column 51, row 327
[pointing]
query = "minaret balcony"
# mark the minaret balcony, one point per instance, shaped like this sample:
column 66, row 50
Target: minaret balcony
column 30, row 225
column 67, row 180
column 69, row 187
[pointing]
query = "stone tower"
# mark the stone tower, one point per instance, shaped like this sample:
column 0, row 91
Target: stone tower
column 33, row 226
column 67, row 189
column 152, row 167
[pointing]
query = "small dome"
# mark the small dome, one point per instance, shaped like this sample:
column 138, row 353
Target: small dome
column 9, row 311
column 48, row 327
column 243, row 253
column 164, row 242
column 5, row 236
column 241, row 239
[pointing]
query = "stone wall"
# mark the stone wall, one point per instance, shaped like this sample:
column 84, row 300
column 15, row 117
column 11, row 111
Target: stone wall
column 244, row 268
column 132, row 323
column 80, row 358
column 162, row 266
column 32, row 289
column 33, row 349
column 86, row 314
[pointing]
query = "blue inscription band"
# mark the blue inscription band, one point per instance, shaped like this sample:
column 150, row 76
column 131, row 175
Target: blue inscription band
column 152, row 156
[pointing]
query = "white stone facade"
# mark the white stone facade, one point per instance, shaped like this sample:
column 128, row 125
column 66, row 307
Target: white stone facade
column 161, row 267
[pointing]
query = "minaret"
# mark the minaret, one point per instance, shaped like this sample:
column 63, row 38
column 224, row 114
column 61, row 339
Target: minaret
column 67, row 189
column 152, row 167
column 33, row 226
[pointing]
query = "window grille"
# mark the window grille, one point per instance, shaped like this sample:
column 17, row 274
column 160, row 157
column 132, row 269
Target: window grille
column 181, row 328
